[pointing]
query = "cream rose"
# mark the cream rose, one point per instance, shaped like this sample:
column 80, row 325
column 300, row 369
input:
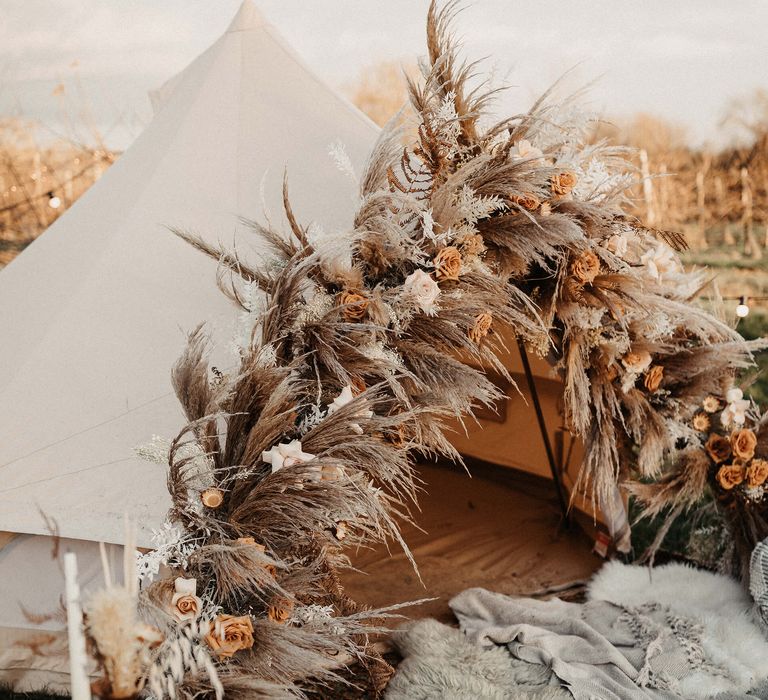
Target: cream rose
column 735, row 413
column 423, row 290
column 185, row 605
column 524, row 150
column 660, row 261
column 346, row 396
column 618, row 244
column 340, row 530
column 637, row 362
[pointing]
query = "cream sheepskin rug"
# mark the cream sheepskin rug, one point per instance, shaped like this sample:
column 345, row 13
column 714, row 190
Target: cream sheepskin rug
column 440, row 663
column 729, row 633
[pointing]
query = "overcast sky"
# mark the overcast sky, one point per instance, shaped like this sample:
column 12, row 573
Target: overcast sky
column 679, row 59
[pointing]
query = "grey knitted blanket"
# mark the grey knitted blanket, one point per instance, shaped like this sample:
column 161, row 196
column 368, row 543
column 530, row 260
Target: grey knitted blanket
column 592, row 648
column 681, row 633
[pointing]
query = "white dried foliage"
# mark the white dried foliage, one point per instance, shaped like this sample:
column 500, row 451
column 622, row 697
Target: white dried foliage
column 473, row 208
column 341, row 159
column 172, row 547
column 596, row 182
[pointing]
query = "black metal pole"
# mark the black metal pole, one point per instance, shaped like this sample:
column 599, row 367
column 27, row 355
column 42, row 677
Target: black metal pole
column 544, row 433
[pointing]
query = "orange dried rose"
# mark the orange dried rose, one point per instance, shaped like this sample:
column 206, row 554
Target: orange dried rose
column 355, row 305
column 563, row 183
column 743, row 443
column 718, row 448
column 230, row 634
column 483, row 323
column 447, row 264
column 527, row 201
column 701, row 422
column 212, row 498
column 653, row 379
column 757, row 473
column 731, row 475
column 280, row 610
column 637, row 361
column 586, row 267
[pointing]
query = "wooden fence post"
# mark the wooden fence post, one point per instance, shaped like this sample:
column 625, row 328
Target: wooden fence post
column 702, row 209
column 751, row 246
column 722, row 211
column 664, row 198
column 650, row 214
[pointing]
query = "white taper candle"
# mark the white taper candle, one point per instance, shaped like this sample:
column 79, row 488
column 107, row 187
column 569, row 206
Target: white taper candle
column 78, row 659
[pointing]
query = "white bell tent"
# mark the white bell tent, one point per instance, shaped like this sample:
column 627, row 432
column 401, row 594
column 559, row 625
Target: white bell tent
column 95, row 312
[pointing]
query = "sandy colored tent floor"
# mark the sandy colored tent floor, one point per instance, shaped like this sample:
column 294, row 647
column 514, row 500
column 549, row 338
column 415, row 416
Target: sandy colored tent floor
column 499, row 530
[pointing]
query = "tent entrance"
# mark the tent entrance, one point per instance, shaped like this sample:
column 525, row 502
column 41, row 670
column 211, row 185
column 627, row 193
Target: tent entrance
column 500, row 529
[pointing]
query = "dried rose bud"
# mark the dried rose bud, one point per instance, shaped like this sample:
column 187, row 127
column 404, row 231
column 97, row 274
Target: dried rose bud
column 563, row 183
column 481, row 328
column 355, row 305
column 653, row 379
column 586, row 267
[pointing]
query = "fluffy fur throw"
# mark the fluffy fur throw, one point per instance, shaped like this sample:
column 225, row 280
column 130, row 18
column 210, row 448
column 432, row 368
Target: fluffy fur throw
column 728, row 632
column 439, row 662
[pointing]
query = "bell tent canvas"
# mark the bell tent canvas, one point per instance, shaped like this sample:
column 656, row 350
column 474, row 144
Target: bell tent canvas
column 95, row 312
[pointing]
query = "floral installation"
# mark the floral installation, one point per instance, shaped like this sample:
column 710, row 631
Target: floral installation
column 354, row 350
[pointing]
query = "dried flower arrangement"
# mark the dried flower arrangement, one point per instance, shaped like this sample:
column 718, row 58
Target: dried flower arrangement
column 353, row 359
column 729, row 454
